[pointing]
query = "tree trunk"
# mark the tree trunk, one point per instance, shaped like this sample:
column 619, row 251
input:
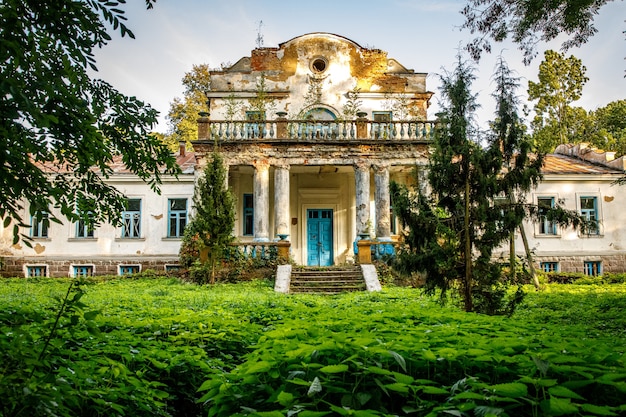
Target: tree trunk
column 529, row 257
column 468, row 251
column 512, row 257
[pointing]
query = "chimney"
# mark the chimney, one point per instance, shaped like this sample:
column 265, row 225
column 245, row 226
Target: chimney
column 181, row 148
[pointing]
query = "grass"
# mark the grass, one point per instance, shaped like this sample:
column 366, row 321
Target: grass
column 163, row 347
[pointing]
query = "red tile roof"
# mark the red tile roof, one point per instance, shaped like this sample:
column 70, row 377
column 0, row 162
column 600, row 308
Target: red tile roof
column 555, row 163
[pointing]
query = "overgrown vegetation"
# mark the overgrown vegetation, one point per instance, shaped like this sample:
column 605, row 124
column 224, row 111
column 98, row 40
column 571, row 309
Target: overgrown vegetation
column 160, row 347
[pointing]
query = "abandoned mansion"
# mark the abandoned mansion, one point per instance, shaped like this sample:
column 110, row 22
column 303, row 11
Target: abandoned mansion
column 312, row 132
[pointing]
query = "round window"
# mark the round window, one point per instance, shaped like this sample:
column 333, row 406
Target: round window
column 319, row 65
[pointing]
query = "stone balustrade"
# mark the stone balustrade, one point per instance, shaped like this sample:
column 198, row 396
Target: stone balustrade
column 315, row 130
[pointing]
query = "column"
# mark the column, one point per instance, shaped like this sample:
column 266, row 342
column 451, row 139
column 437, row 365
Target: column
column 261, row 201
column 382, row 202
column 362, row 182
column 383, row 215
column 281, row 201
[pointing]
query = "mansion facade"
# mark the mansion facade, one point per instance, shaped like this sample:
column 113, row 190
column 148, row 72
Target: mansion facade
column 312, row 132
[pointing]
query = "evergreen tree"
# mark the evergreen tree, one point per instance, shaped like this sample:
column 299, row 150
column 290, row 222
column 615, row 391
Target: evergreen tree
column 471, row 211
column 210, row 229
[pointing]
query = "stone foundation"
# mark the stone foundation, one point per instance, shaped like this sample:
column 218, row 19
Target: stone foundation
column 16, row 267
column 610, row 263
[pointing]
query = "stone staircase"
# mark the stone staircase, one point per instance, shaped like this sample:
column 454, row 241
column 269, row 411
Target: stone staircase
column 330, row 280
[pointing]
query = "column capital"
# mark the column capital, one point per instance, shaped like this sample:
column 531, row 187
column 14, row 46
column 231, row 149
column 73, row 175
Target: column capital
column 261, row 164
column 362, row 165
column 282, row 165
column 381, row 166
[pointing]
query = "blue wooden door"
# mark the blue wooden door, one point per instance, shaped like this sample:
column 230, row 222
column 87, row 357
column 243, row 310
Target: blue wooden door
column 319, row 237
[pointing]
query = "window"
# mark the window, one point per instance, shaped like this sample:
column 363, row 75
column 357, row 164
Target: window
column 589, row 210
column 177, row 208
column 82, row 270
column 131, row 219
column 318, row 65
column 36, row 270
column 172, row 268
column 85, row 227
column 248, row 215
column 593, row 268
column 381, row 126
column 550, row 266
column 39, row 225
column 546, row 227
column 129, row 269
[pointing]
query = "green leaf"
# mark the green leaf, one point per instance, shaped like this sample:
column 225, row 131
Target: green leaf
column 307, row 413
column 261, row 366
column 315, row 388
column 512, row 390
column 285, row 398
column 269, row 414
column 334, row 369
column 598, row 410
column 399, row 359
column 427, row 389
column 560, row 391
column 558, row 406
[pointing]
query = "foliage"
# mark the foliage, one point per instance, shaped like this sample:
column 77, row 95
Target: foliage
column 155, row 342
column 353, row 104
column 561, row 81
column 59, row 128
column 262, row 103
column 607, row 129
column 210, row 228
column 528, row 22
column 183, row 114
column 477, row 199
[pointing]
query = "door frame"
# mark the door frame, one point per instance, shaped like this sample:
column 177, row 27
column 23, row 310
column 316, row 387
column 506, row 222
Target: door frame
column 332, row 235
column 304, row 209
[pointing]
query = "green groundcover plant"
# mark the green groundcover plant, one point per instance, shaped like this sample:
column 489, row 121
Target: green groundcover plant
column 162, row 347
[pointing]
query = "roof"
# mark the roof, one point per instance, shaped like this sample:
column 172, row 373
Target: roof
column 186, row 162
column 580, row 158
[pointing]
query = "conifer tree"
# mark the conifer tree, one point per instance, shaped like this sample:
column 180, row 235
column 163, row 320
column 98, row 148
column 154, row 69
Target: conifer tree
column 471, row 210
column 211, row 226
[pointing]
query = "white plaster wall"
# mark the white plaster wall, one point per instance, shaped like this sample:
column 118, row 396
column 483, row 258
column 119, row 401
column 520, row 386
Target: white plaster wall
column 611, row 209
column 62, row 241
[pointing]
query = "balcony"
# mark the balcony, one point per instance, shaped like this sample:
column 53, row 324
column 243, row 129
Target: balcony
column 282, row 129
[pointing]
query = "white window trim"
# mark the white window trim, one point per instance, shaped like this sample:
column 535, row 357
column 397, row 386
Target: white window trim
column 120, row 266
column 26, row 266
column 73, row 275
column 598, row 197
column 536, row 226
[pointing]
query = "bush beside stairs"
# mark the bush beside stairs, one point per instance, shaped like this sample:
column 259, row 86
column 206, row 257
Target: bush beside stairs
column 326, row 280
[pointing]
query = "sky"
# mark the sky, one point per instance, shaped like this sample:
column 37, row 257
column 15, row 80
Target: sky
column 422, row 35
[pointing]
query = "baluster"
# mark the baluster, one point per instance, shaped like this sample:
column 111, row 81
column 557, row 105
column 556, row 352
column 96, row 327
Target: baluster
column 292, row 130
column 272, row 130
column 402, row 131
column 352, row 130
column 227, row 131
column 299, row 130
column 394, row 131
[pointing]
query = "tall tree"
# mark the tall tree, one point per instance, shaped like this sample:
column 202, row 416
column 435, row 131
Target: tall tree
column 54, row 116
column 476, row 200
column 528, row 23
column 210, row 228
column 607, row 127
column 561, row 81
column 183, row 114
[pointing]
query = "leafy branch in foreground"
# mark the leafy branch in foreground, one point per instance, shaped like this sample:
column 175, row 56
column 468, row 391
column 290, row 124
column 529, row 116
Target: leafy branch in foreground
column 59, row 128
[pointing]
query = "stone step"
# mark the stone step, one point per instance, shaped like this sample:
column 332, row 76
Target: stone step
column 327, row 280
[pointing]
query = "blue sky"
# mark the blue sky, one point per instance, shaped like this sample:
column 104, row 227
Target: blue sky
column 422, row 35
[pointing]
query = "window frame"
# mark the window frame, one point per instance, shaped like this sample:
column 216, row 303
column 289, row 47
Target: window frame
column 549, row 266
column 247, row 213
column 174, row 217
column 131, row 220
column 40, row 229
column 85, row 228
column 597, row 211
column 381, row 123
column 546, row 227
column 132, row 269
column 90, row 268
column 29, row 267
column 592, row 268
